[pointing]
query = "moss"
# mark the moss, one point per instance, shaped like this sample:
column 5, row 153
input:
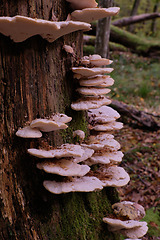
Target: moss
column 88, row 49
column 78, row 122
column 153, row 219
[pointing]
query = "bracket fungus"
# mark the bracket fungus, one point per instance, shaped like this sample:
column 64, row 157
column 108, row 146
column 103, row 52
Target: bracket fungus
column 47, row 125
column 104, row 157
column 88, row 72
column 28, row 132
column 127, row 210
column 81, row 184
column 92, row 91
column 113, row 176
column 86, row 103
column 95, row 81
column 64, row 168
column 92, row 14
column 19, row 28
column 130, row 228
column 65, row 150
column 104, row 127
column 80, row 134
column 76, row 4
column 87, row 154
column 103, row 114
column 95, row 60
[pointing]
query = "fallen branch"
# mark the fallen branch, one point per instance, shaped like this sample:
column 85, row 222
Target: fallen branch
column 140, row 116
column 135, row 19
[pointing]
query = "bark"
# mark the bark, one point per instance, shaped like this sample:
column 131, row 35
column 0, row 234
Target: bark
column 35, row 82
column 134, row 12
column 135, row 19
column 103, row 31
column 141, row 117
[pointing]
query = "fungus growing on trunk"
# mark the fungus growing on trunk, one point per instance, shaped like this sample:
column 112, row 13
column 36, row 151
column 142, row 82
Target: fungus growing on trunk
column 65, row 150
column 28, row 132
column 113, row 176
column 19, row 28
column 88, row 72
column 81, row 184
column 76, row 4
column 92, row 91
column 127, row 210
column 96, row 81
column 92, row 14
column 130, row 228
column 103, row 114
column 95, row 60
column 104, row 127
column 64, row 167
column 47, row 125
column 80, row 134
column 86, row 103
column 87, row 154
column 103, row 157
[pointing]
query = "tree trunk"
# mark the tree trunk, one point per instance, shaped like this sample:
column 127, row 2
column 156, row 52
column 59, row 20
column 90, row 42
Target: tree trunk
column 134, row 12
column 103, row 31
column 153, row 25
column 35, row 82
column 135, row 19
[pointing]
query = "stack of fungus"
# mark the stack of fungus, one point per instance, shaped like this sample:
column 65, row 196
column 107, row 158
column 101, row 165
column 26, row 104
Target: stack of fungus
column 102, row 120
column 126, row 220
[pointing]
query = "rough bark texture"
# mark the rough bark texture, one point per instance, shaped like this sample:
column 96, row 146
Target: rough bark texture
column 35, row 82
column 135, row 19
column 103, row 31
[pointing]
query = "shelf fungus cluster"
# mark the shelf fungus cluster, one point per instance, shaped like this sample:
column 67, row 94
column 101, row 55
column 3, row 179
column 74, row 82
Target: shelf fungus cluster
column 33, row 130
column 126, row 220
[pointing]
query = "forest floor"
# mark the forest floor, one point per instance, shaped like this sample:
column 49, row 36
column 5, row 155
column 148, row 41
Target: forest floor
column 137, row 82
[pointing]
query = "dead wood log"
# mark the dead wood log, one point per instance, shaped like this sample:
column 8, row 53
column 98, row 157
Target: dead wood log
column 135, row 19
column 144, row 119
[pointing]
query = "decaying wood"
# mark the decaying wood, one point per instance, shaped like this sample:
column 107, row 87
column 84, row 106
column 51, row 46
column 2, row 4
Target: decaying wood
column 144, row 119
column 135, row 19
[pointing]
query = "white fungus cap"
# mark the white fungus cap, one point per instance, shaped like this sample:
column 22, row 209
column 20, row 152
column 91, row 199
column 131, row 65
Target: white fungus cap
column 92, row 14
column 68, row 49
column 60, row 117
column 95, row 81
column 76, row 4
column 88, row 72
column 87, row 154
column 28, row 132
column 90, row 103
column 136, row 232
column 108, row 126
column 108, row 145
column 128, row 210
column 97, row 61
column 82, row 184
column 47, row 125
column 64, row 168
column 19, row 28
column 65, row 150
column 103, row 157
column 103, row 114
column 115, row 177
column 79, row 133
column 92, row 91
column 130, row 228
